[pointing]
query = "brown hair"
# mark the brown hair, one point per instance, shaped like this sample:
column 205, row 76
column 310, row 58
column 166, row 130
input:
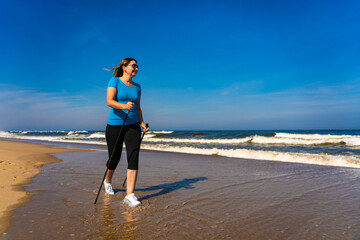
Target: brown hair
column 118, row 70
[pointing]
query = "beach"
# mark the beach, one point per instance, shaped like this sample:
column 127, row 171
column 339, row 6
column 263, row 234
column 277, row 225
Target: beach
column 185, row 196
column 20, row 162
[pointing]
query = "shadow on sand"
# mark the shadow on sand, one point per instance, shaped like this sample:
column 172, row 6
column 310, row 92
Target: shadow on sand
column 169, row 187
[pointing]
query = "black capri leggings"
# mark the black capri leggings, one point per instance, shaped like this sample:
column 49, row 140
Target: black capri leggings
column 131, row 134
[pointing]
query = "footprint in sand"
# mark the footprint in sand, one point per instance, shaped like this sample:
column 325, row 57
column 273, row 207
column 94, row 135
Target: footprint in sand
column 5, row 162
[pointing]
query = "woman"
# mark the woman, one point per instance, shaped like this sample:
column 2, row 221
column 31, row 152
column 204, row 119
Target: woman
column 121, row 89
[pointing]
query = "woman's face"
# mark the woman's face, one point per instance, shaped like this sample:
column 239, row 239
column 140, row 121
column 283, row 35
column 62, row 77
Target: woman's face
column 132, row 68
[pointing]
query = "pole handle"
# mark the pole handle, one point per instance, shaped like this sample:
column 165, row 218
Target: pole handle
column 131, row 100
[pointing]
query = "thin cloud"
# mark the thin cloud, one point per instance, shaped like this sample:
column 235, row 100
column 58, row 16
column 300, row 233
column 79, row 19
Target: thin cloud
column 248, row 86
column 29, row 109
column 292, row 109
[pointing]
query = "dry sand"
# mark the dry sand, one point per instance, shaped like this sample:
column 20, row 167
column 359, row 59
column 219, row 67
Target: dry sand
column 19, row 163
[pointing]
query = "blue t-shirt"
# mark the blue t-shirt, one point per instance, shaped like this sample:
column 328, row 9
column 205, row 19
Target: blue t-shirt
column 123, row 95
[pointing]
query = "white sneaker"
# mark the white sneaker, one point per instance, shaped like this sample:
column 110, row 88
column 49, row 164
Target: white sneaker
column 132, row 200
column 108, row 188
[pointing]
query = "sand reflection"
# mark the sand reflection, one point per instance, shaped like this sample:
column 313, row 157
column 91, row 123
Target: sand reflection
column 116, row 225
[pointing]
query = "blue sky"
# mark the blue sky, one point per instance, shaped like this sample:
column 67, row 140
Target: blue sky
column 221, row 65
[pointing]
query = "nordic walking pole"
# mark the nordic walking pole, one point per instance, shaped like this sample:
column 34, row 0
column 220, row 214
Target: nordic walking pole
column 116, row 143
column 147, row 125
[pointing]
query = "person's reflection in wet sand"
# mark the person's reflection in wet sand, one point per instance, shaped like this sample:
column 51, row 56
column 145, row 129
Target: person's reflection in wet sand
column 130, row 226
column 111, row 225
column 108, row 220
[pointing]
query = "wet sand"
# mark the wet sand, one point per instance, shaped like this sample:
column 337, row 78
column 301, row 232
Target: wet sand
column 19, row 162
column 191, row 197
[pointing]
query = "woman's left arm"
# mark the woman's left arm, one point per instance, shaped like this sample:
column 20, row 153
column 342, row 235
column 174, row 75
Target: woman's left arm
column 141, row 116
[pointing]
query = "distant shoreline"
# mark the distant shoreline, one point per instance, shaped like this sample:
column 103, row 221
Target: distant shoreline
column 320, row 147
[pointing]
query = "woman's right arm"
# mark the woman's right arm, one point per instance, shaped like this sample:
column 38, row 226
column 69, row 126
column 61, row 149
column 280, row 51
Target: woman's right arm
column 110, row 96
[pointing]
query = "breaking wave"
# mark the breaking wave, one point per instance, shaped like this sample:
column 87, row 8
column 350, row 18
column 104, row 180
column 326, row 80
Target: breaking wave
column 307, row 158
column 332, row 149
column 279, row 138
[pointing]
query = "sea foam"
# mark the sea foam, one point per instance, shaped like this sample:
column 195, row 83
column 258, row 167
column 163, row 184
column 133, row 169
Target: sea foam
column 306, row 158
column 280, row 139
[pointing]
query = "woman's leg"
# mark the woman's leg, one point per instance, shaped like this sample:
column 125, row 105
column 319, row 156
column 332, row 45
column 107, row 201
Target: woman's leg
column 131, row 181
column 111, row 134
column 132, row 142
column 109, row 176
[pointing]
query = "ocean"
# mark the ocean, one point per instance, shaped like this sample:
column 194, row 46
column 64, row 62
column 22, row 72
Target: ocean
column 322, row 147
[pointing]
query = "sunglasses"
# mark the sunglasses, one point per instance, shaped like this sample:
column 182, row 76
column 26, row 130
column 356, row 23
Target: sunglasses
column 134, row 66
